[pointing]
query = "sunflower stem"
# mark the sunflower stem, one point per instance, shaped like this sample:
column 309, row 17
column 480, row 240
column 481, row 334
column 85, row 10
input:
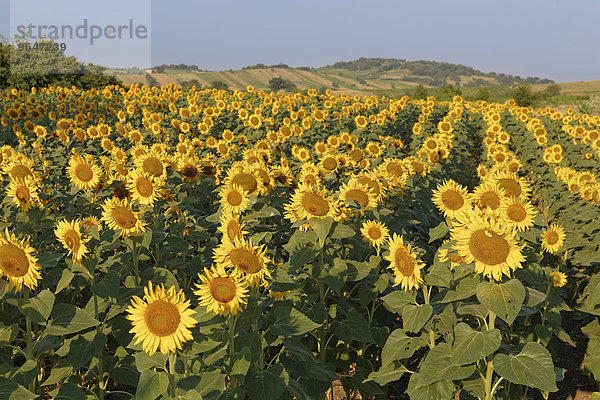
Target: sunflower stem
column 425, row 289
column 28, row 339
column 489, row 374
column 172, row 360
column 231, row 331
column 101, row 387
column 134, row 252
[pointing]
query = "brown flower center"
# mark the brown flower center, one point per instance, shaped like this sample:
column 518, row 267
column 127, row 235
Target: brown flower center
column 246, row 181
column 162, row 318
column 511, row 187
column 358, row 196
column 83, row 172
column 222, row 289
column 315, row 204
column 488, row 247
column 245, row 260
column 124, row 217
column 516, row 213
column 404, row 262
column 22, row 194
column 153, row 166
column 490, row 199
column 374, row 233
column 13, row 260
column 552, row 238
column 452, row 200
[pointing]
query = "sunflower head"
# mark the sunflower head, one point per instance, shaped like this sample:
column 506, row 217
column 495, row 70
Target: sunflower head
column 118, row 214
column 143, row 187
column 558, row 279
column 221, row 292
column 246, row 260
column 23, row 193
column 234, row 199
column 451, row 199
column 161, row 321
column 553, row 238
column 83, row 172
column 68, row 233
column 404, row 264
column 375, row 233
column 17, row 262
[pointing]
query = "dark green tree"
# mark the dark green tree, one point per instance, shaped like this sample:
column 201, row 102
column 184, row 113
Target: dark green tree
column 419, row 92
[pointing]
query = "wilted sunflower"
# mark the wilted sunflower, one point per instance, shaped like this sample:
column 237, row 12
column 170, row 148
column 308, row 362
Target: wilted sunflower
column 558, row 279
column 117, row 214
column 143, row 187
column 375, row 233
column 451, row 199
column 230, row 227
column 68, row 233
column 161, row 321
column 517, row 213
column 404, row 264
column 310, row 202
column 83, row 172
column 17, row 262
column 247, row 260
column 23, row 193
column 234, row 199
column 489, row 245
column 553, row 238
column 221, row 292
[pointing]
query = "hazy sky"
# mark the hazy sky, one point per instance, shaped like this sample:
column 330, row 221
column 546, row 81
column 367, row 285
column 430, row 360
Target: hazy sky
column 549, row 39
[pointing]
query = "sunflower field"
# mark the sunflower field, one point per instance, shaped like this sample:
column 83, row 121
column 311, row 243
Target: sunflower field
column 211, row 244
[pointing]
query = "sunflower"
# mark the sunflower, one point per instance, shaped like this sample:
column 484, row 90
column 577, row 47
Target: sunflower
column 558, row 279
column 362, row 195
column 245, row 177
column 512, row 185
column 404, row 264
column 446, row 253
column 329, row 163
column 23, row 193
column 488, row 196
column 152, row 164
column 161, row 321
column 231, row 227
column 189, row 169
column 221, row 292
column 451, row 199
column 234, row 199
column 68, row 233
column 83, row 172
column 309, row 202
column 491, row 246
column 17, row 262
column 89, row 222
column 20, row 169
column 517, row 213
column 117, row 214
column 375, row 233
column 247, row 260
column 553, row 238
column 143, row 187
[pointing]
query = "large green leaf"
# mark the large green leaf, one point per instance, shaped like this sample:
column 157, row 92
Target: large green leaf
column 291, row 322
column 591, row 361
column 321, row 226
column 82, row 350
column 438, row 366
column 336, row 275
column 38, row 308
column 70, row 391
column 240, row 364
column 531, row 367
column 504, row 299
column 415, row 317
column 107, row 288
column 396, row 300
column 267, row 384
column 151, row 385
column 471, row 345
column 144, row 361
column 10, row 390
column 353, row 327
column 441, row 390
column 67, row 319
column 438, row 232
column 398, row 346
column 386, row 374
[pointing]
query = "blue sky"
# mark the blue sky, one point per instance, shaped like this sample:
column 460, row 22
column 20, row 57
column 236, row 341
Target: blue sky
column 549, row 39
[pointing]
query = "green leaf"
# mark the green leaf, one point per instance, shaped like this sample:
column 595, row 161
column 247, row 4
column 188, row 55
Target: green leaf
column 396, row 300
column 441, row 390
column 107, row 288
column 65, row 280
column 8, row 332
column 291, row 322
column 504, row 299
column 386, row 374
column 82, row 351
column 151, row 385
column 415, row 317
column 70, row 391
column 464, row 288
column 398, row 346
column 439, row 275
column 59, row 372
column 471, row 345
column 267, row 384
column 591, row 361
column 241, row 363
column 321, row 226
column 354, row 327
column 211, row 385
column 49, row 260
column 282, row 281
column 531, row 367
column 10, row 390
column 341, row 231
column 336, row 275
column 438, row 232
column 438, row 365
column 39, row 307
column 67, row 319
column 144, row 361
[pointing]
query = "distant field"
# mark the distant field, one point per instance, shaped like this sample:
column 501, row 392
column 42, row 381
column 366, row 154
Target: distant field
column 582, row 88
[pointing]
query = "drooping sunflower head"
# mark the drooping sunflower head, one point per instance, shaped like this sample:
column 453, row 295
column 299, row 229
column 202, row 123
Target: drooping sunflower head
column 190, row 169
column 143, row 187
column 451, row 199
column 375, row 233
column 234, row 198
column 492, row 247
column 23, row 193
column 558, row 279
column 447, row 253
column 118, row 214
column 221, row 292
column 161, row 321
column 517, row 213
column 83, row 172
column 231, row 227
column 553, row 238
column 404, row 264
column 246, row 260
column 17, row 262
column 68, row 233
